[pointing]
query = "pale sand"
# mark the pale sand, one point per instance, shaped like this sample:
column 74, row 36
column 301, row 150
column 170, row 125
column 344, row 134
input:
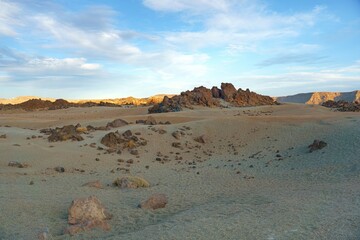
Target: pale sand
column 305, row 196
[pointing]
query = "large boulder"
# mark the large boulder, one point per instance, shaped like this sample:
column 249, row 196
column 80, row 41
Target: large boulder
column 87, row 213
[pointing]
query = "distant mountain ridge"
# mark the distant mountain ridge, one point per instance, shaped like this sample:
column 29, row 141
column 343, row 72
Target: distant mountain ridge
column 118, row 101
column 320, row 97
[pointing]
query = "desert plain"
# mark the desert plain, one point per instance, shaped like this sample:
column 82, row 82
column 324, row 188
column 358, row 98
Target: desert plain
column 251, row 175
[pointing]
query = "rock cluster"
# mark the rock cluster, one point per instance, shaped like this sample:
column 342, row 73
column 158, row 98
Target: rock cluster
column 343, row 106
column 211, row 98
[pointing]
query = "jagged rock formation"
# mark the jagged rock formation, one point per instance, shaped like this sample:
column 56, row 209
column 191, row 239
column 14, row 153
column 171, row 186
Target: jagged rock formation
column 202, row 96
column 321, row 97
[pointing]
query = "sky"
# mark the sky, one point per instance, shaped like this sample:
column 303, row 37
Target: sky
column 109, row 49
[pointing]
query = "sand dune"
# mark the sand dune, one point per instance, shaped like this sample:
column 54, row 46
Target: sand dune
column 320, row 97
column 253, row 178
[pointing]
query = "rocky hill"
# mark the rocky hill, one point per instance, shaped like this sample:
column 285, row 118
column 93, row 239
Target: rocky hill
column 321, row 97
column 202, row 96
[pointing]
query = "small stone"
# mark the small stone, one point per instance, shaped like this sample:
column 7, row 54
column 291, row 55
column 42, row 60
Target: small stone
column 155, row 201
column 59, row 169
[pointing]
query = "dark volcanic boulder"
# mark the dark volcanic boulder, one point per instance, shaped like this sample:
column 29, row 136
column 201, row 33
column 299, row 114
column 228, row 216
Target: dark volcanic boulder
column 65, row 133
column 317, row 145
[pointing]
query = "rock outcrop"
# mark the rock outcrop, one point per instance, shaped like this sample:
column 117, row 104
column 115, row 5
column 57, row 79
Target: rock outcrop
column 202, row 96
column 343, row 106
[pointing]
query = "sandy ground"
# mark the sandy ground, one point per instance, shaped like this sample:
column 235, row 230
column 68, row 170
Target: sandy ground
column 232, row 187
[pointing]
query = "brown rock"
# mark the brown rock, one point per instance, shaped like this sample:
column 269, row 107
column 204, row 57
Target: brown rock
column 176, row 135
column 94, row 184
column 131, row 182
column 227, row 91
column 112, row 139
column 64, row 133
column 127, row 134
column 116, row 123
column 155, row 201
column 3, row 136
column 150, row 121
column 200, row 139
column 317, row 145
column 216, row 93
column 87, row 213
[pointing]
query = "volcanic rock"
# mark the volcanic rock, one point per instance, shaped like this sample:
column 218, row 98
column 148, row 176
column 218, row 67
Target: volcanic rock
column 3, row 136
column 317, row 145
column 64, row 133
column 228, row 92
column 112, row 139
column 116, row 123
column 85, row 214
column 155, row 201
column 202, row 96
column 343, row 106
column 131, row 182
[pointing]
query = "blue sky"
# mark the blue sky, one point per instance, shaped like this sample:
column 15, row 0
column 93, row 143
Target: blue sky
column 108, row 49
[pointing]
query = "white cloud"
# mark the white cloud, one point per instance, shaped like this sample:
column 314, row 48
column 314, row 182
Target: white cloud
column 9, row 18
column 182, row 5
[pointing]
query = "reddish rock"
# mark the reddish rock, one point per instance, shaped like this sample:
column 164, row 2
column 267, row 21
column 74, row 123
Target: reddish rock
column 86, row 214
column 155, row 201
column 228, row 91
